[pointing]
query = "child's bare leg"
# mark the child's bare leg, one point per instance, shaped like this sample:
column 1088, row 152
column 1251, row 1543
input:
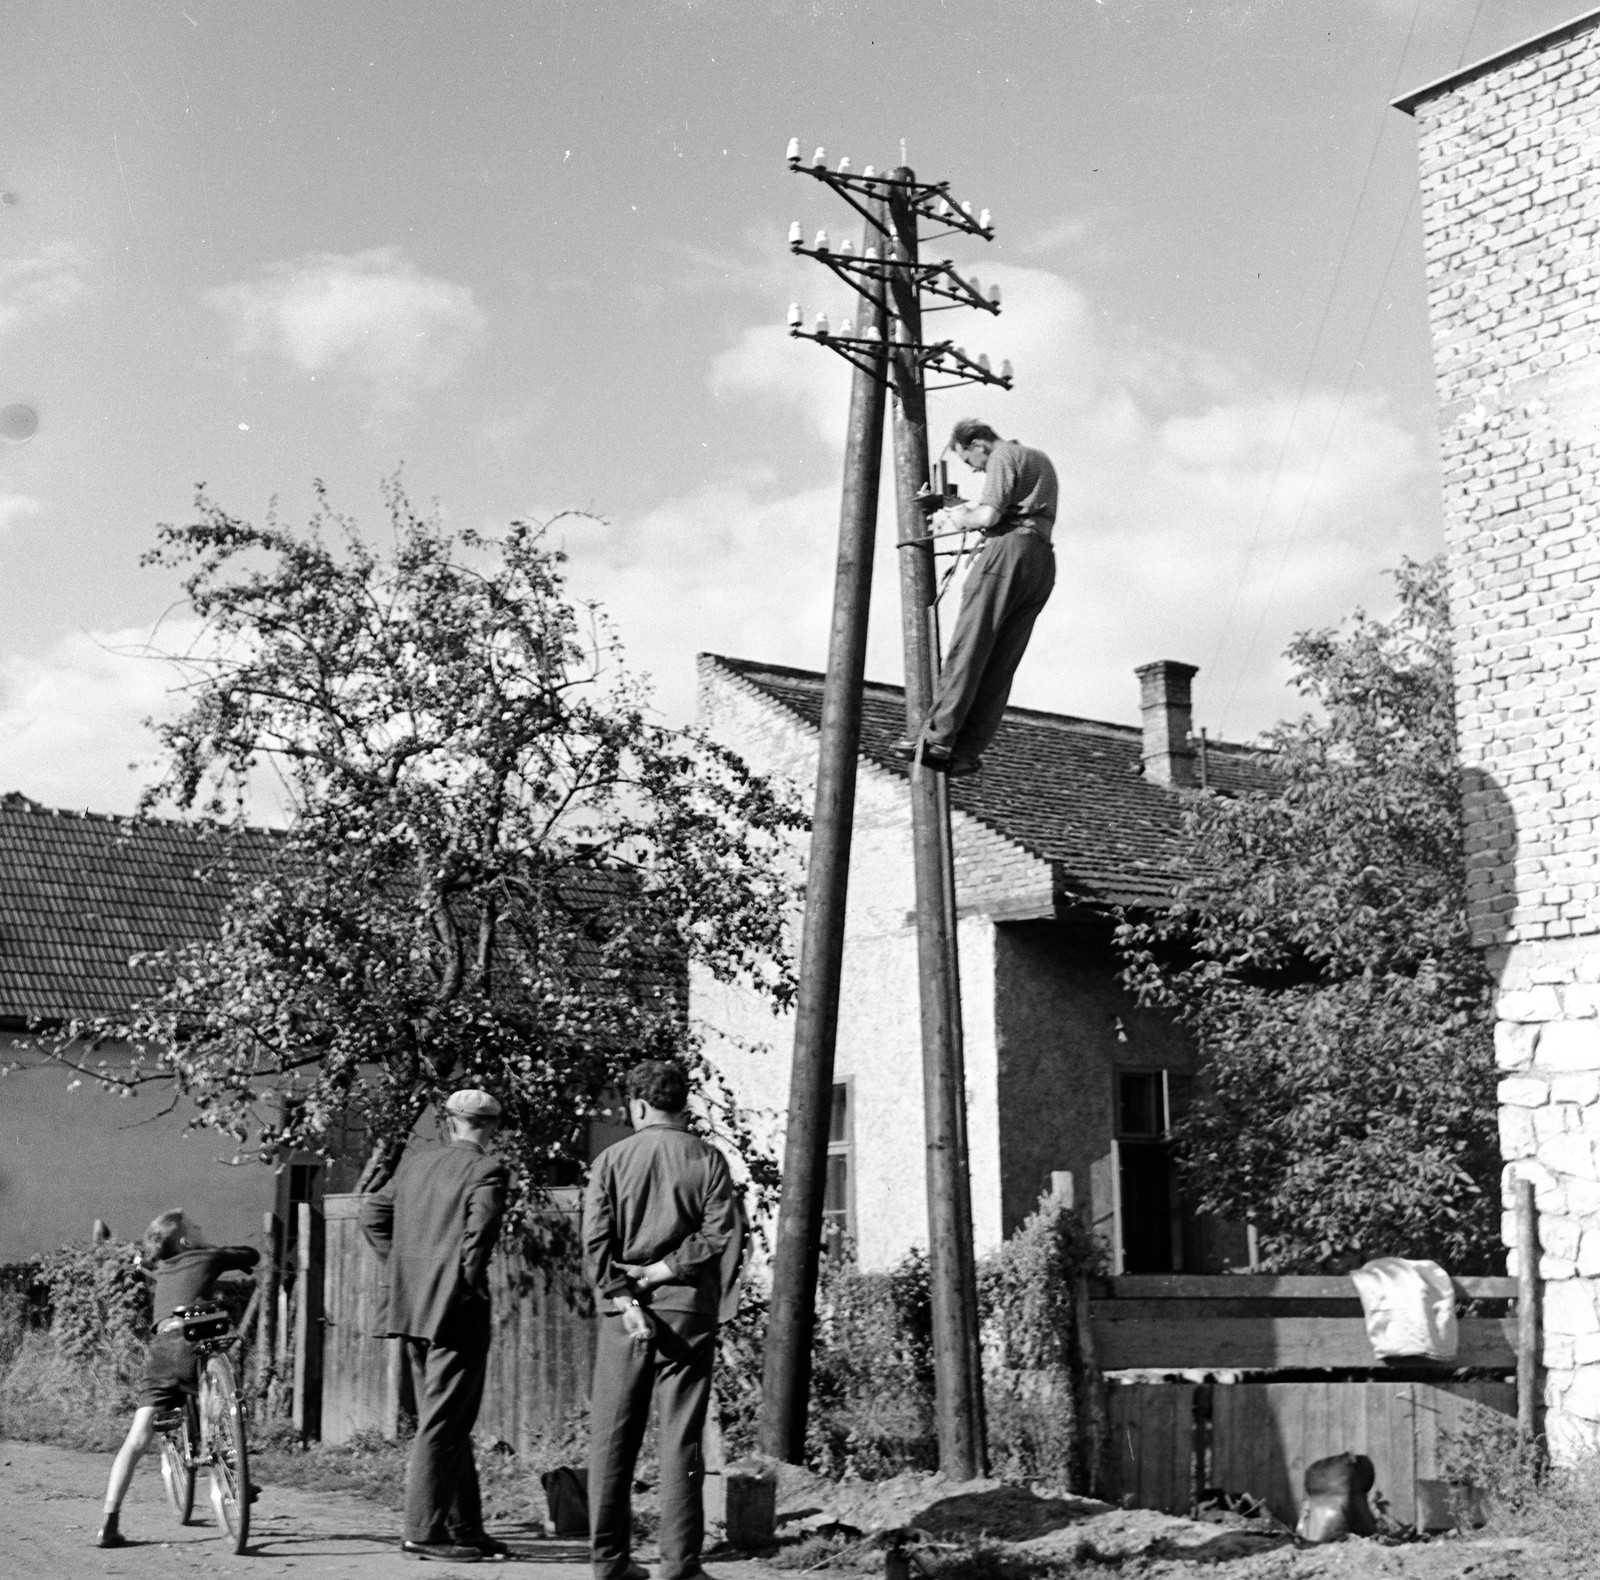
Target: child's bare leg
column 129, row 1455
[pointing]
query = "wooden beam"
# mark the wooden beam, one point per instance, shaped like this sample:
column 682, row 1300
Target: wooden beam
column 1256, row 1286
column 1261, row 1343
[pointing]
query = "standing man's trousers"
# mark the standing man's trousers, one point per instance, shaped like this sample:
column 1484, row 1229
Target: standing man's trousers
column 442, row 1502
column 674, row 1364
column 1009, row 583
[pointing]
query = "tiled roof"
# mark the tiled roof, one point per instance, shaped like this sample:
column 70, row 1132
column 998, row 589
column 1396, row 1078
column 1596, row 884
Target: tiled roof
column 80, row 893
column 1069, row 790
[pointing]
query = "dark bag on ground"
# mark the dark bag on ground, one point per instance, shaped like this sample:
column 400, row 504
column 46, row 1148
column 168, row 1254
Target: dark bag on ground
column 1336, row 1499
column 566, row 1496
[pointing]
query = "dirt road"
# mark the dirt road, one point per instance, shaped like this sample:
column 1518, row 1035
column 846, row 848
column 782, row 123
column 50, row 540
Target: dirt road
column 50, row 1507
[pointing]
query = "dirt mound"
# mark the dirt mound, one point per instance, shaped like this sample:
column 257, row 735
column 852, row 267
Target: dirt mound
column 1130, row 1533
column 1000, row 1510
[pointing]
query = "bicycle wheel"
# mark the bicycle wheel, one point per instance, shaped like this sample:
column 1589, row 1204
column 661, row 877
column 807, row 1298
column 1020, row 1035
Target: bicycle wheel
column 177, row 1464
column 225, row 1451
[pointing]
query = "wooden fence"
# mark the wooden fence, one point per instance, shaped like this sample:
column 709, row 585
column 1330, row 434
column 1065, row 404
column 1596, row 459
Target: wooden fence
column 539, row 1360
column 1240, row 1418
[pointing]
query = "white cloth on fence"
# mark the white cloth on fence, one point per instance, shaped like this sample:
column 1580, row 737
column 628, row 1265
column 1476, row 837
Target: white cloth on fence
column 1410, row 1308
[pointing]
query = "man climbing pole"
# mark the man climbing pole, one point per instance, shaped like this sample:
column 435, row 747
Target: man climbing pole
column 1009, row 583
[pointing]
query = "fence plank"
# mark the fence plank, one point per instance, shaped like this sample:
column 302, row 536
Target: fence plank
column 1263, row 1286
column 1152, row 1435
column 540, row 1357
column 1261, row 1343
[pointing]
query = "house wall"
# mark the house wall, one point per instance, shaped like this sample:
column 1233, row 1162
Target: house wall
column 1510, row 163
column 71, row 1153
column 879, row 1040
column 1063, row 1028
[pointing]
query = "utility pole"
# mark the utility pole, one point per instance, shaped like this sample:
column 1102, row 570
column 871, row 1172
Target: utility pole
column 791, row 1320
column 897, row 285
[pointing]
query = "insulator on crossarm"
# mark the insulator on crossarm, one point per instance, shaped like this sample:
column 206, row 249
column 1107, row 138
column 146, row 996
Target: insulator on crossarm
column 793, row 156
column 821, row 325
column 847, row 328
column 797, row 237
column 966, row 208
column 961, row 351
column 819, row 159
column 844, row 165
column 977, row 290
column 942, row 207
column 994, row 294
column 796, row 317
column 985, row 219
column 847, row 246
column 870, row 255
column 983, row 360
column 1005, row 370
column 821, row 243
column 873, row 332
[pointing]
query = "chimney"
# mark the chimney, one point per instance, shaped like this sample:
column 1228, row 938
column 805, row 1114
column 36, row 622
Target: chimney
column 1166, row 714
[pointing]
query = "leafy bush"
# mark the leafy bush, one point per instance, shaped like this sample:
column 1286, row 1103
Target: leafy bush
column 872, row 1395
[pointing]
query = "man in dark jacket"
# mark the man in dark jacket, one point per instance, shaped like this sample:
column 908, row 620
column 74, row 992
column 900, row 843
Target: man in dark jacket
column 659, row 1223
column 435, row 1226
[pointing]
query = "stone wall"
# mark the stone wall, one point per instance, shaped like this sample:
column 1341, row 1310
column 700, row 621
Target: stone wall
column 1510, row 171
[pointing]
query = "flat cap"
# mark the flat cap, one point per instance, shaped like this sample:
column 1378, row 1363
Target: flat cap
column 470, row 1103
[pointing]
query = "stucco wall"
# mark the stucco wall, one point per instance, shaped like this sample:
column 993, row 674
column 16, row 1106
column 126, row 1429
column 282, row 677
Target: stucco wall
column 1064, row 1027
column 879, row 1043
column 72, row 1153
column 1510, row 162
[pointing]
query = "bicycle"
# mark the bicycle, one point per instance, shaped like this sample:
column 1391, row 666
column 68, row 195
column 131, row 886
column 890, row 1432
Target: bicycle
column 209, row 1432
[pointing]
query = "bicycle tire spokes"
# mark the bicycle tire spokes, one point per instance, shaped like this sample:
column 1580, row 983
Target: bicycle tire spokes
column 225, row 1450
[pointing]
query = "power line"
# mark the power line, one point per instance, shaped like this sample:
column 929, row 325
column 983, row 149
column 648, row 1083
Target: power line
column 1305, row 382
column 1344, row 393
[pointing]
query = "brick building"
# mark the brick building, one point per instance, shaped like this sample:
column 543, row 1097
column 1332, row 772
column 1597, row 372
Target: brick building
column 1069, row 819
column 1510, row 172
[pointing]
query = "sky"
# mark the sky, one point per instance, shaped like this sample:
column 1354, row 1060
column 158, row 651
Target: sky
column 534, row 256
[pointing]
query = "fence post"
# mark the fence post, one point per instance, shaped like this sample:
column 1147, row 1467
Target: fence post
column 1527, row 1309
column 308, row 1323
column 1093, row 1427
column 267, row 1312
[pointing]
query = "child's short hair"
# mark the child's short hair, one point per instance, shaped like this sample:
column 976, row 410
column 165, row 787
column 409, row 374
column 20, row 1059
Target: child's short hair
column 162, row 1237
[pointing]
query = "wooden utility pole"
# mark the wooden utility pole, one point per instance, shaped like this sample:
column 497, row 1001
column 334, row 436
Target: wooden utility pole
column 786, row 1381
column 958, row 1378
column 892, row 281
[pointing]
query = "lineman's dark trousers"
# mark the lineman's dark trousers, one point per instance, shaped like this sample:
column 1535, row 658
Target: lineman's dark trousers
column 1009, row 583
column 675, row 1365
column 442, row 1502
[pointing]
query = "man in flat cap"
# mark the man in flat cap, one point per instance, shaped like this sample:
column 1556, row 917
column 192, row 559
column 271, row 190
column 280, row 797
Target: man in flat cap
column 435, row 1225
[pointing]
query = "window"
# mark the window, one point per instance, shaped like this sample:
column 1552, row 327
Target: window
column 1151, row 1215
column 838, row 1196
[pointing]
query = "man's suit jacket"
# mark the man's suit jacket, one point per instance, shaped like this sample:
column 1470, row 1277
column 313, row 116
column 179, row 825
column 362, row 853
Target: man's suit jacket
column 435, row 1226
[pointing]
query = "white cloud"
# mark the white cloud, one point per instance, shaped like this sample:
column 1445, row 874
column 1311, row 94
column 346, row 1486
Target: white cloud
column 71, row 718
column 370, row 314
column 14, row 507
column 41, row 283
column 1198, row 522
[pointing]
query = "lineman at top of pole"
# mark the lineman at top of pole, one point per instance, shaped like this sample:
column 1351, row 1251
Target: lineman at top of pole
column 1009, row 583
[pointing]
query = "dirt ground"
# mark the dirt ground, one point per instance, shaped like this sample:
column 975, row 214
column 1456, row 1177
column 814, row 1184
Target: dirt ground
column 50, row 1503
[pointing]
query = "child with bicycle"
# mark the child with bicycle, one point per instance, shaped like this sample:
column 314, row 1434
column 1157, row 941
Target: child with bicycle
column 185, row 1271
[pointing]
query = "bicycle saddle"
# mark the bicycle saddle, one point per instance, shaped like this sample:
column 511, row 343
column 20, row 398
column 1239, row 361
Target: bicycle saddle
column 205, row 1321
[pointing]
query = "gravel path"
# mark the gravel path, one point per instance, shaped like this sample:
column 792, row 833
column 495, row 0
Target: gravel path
column 50, row 1507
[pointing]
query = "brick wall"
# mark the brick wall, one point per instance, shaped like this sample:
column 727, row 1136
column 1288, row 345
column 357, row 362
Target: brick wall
column 1511, row 211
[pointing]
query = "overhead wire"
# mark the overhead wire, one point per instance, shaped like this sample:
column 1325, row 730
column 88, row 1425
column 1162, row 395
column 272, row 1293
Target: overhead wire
column 1355, row 363
column 1305, row 381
